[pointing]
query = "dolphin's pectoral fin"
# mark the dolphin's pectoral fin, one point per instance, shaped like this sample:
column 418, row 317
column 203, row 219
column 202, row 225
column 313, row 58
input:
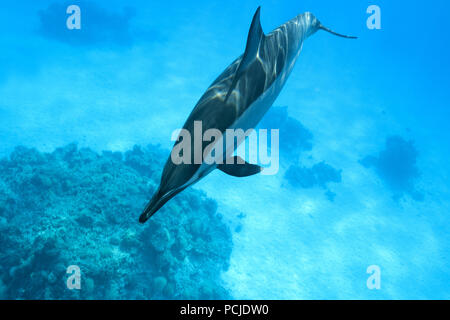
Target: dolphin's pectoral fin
column 254, row 39
column 239, row 168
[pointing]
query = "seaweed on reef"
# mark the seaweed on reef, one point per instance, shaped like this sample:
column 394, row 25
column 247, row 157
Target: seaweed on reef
column 77, row 207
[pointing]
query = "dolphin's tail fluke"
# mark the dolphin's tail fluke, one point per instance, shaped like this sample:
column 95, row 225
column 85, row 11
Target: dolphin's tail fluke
column 336, row 34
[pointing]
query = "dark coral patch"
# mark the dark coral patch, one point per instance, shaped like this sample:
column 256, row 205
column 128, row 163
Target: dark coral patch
column 99, row 26
column 319, row 175
column 294, row 137
column 396, row 165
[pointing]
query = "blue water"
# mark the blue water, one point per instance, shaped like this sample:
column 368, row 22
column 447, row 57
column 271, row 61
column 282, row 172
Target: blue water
column 364, row 149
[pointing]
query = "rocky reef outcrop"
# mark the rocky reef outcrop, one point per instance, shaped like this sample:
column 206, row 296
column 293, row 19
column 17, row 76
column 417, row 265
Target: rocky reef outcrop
column 77, row 207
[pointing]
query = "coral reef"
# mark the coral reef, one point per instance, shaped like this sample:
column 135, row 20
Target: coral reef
column 396, row 167
column 76, row 207
column 296, row 138
column 101, row 26
column 319, row 175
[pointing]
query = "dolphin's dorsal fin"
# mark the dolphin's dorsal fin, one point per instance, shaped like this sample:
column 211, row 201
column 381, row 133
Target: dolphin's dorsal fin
column 239, row 168
column 254, row 39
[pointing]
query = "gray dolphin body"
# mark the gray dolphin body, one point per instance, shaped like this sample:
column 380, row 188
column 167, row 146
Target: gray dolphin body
column 238, row 99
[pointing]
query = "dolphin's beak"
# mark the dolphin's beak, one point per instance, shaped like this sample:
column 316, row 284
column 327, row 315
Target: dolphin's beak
column 157, row 201
column 335, row 33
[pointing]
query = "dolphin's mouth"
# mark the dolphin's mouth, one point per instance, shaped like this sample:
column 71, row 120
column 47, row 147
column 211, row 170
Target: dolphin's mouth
column 158, row 200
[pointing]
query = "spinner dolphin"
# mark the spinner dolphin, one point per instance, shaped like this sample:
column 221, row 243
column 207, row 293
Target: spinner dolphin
column 238, row 99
